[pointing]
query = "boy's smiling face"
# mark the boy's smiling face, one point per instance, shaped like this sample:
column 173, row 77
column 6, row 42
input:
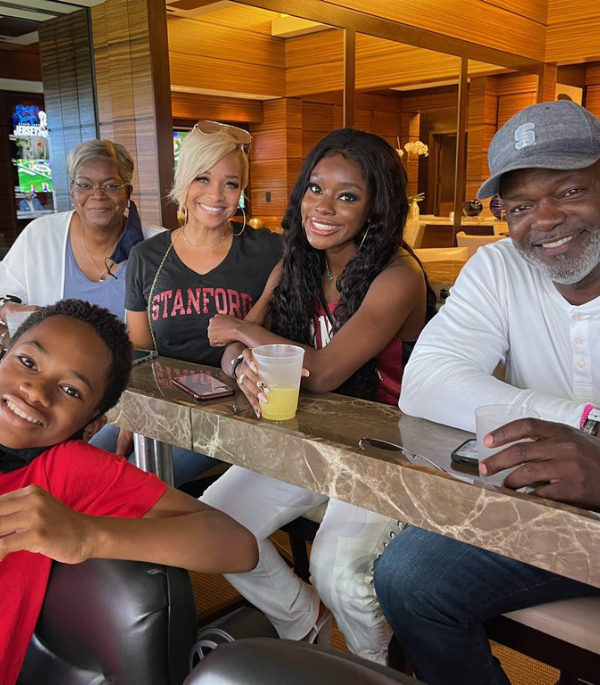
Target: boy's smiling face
column 51, row 382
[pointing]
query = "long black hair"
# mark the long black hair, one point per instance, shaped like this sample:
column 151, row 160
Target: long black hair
column 295, row 300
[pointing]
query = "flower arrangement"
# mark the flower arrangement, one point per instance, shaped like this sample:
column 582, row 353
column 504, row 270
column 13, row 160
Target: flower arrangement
column 416, row 147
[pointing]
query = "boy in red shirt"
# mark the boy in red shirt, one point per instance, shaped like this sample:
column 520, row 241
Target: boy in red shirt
column 65, row 500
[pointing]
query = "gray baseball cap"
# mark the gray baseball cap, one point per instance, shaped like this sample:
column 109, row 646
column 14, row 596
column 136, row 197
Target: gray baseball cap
column 551, row 135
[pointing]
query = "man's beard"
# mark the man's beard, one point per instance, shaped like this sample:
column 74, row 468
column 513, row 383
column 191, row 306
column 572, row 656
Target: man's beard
column 566, row 270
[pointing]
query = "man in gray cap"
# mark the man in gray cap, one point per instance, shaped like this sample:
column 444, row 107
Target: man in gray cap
column 532, row 304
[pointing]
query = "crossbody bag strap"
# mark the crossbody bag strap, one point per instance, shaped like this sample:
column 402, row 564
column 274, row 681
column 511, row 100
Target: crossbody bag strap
column 153, row 286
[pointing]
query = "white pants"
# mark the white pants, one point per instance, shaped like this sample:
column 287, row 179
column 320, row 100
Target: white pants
column 341, row 561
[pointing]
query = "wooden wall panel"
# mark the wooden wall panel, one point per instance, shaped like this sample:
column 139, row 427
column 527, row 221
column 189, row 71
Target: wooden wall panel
column 69, row 98
column 592, row 101
column 383, row 63
column 23, row 63
column 537, row 11
column 242, row 17
column 380, row 64
column 206, row 74
column 134, row 107
column 592, row 74
column 190, row 107
column 509, row 105
column 301, row 80
column 206, row 55
column 573, row 30
column 422, row 100
column 514, row 27
column 214, row 40
column 481, row 127
column 516, row 83
column 276, row 158
column 592, row 98
column 315, row 48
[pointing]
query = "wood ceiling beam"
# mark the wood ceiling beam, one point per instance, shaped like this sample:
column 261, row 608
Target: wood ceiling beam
column 341, row 17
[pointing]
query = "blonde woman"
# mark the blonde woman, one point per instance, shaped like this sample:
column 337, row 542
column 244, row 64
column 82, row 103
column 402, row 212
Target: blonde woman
column 211, row 265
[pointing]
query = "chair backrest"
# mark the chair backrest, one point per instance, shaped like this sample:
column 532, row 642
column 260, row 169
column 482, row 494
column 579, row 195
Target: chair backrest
column 264, row 661
column 118, row 622
column 442, row 266
column 442, row 254
column 501, row 228
column 474, row 242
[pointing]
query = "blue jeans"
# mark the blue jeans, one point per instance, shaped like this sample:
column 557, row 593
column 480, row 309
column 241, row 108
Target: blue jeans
column 436, row 593
column 187, row 464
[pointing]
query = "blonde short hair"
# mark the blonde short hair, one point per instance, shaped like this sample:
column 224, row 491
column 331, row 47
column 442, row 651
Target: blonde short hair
column 101, row 149
column 198, row 153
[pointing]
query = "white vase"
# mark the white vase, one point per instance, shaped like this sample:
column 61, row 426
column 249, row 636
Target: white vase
column 411, row 229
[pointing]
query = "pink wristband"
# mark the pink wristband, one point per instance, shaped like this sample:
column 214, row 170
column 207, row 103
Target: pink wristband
column 586, row 412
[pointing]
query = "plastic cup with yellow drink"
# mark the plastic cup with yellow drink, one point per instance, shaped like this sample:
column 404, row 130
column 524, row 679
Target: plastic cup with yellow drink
column 281, row 368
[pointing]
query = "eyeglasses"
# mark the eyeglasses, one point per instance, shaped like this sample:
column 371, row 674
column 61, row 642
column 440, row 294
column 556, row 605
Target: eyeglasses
column 107, row 188
column 239, row 134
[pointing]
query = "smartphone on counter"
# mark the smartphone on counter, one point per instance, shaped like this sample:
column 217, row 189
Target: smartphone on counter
column 203, row 386
column 139, row 356
column 467, row 454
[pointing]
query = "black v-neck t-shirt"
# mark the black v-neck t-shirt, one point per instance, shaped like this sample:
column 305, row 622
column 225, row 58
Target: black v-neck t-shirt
column 184, row 301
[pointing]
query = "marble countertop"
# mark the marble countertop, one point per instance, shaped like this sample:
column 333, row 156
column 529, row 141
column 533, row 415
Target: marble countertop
column 318, row 449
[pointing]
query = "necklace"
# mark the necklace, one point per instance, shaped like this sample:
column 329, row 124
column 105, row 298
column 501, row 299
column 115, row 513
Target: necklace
column 329, row 274
column 101, row 277
column 225, row 235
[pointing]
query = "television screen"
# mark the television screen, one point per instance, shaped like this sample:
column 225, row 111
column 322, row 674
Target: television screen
column 178, row 137
column 34, row 175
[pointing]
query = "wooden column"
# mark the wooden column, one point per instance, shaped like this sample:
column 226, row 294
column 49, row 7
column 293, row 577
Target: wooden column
column 546, row 91
column 349, row 77
column 67, row 73
column 131, row 59
column 461, row 140
column 592, row 93
column 411, row 130
column 481, row 126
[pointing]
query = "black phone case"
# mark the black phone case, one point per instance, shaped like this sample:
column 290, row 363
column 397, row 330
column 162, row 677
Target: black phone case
column 461, row 459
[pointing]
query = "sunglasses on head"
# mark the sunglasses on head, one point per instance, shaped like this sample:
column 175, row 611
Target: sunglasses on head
column 239, row 134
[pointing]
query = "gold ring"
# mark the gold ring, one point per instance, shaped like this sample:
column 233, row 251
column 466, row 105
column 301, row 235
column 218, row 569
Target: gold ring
column 240, row 380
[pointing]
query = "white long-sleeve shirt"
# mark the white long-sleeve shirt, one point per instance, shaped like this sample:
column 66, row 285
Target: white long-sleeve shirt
column 503, row 310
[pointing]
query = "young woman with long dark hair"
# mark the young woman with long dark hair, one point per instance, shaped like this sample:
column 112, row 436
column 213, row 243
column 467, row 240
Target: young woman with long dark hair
column 355, row 297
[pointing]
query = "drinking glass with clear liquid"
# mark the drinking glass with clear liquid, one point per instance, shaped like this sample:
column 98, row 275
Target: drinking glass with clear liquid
column 281, row 368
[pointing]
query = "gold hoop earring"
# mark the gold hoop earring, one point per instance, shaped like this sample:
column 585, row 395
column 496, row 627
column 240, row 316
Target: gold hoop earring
column 364, row 238
column 237, row 235
column 182, row 216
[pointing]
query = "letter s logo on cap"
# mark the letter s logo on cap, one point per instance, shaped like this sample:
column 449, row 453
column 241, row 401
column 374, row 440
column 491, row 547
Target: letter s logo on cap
column 524, row 136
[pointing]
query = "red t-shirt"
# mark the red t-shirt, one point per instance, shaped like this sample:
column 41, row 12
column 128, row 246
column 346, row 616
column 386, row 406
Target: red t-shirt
column 88, row 480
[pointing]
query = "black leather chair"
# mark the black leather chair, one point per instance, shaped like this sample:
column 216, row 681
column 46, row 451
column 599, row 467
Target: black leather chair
column 117, row 622
column 265, row 661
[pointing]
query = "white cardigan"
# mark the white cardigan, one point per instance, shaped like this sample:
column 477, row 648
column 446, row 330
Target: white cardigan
column 34, row 267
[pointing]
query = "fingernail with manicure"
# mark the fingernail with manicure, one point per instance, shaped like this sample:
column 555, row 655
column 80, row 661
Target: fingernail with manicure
column 263, row 398
column 253, row 366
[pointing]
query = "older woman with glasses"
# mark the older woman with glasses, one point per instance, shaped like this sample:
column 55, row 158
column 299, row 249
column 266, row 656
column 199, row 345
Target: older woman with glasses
column 82, row 253
column 178, row 280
